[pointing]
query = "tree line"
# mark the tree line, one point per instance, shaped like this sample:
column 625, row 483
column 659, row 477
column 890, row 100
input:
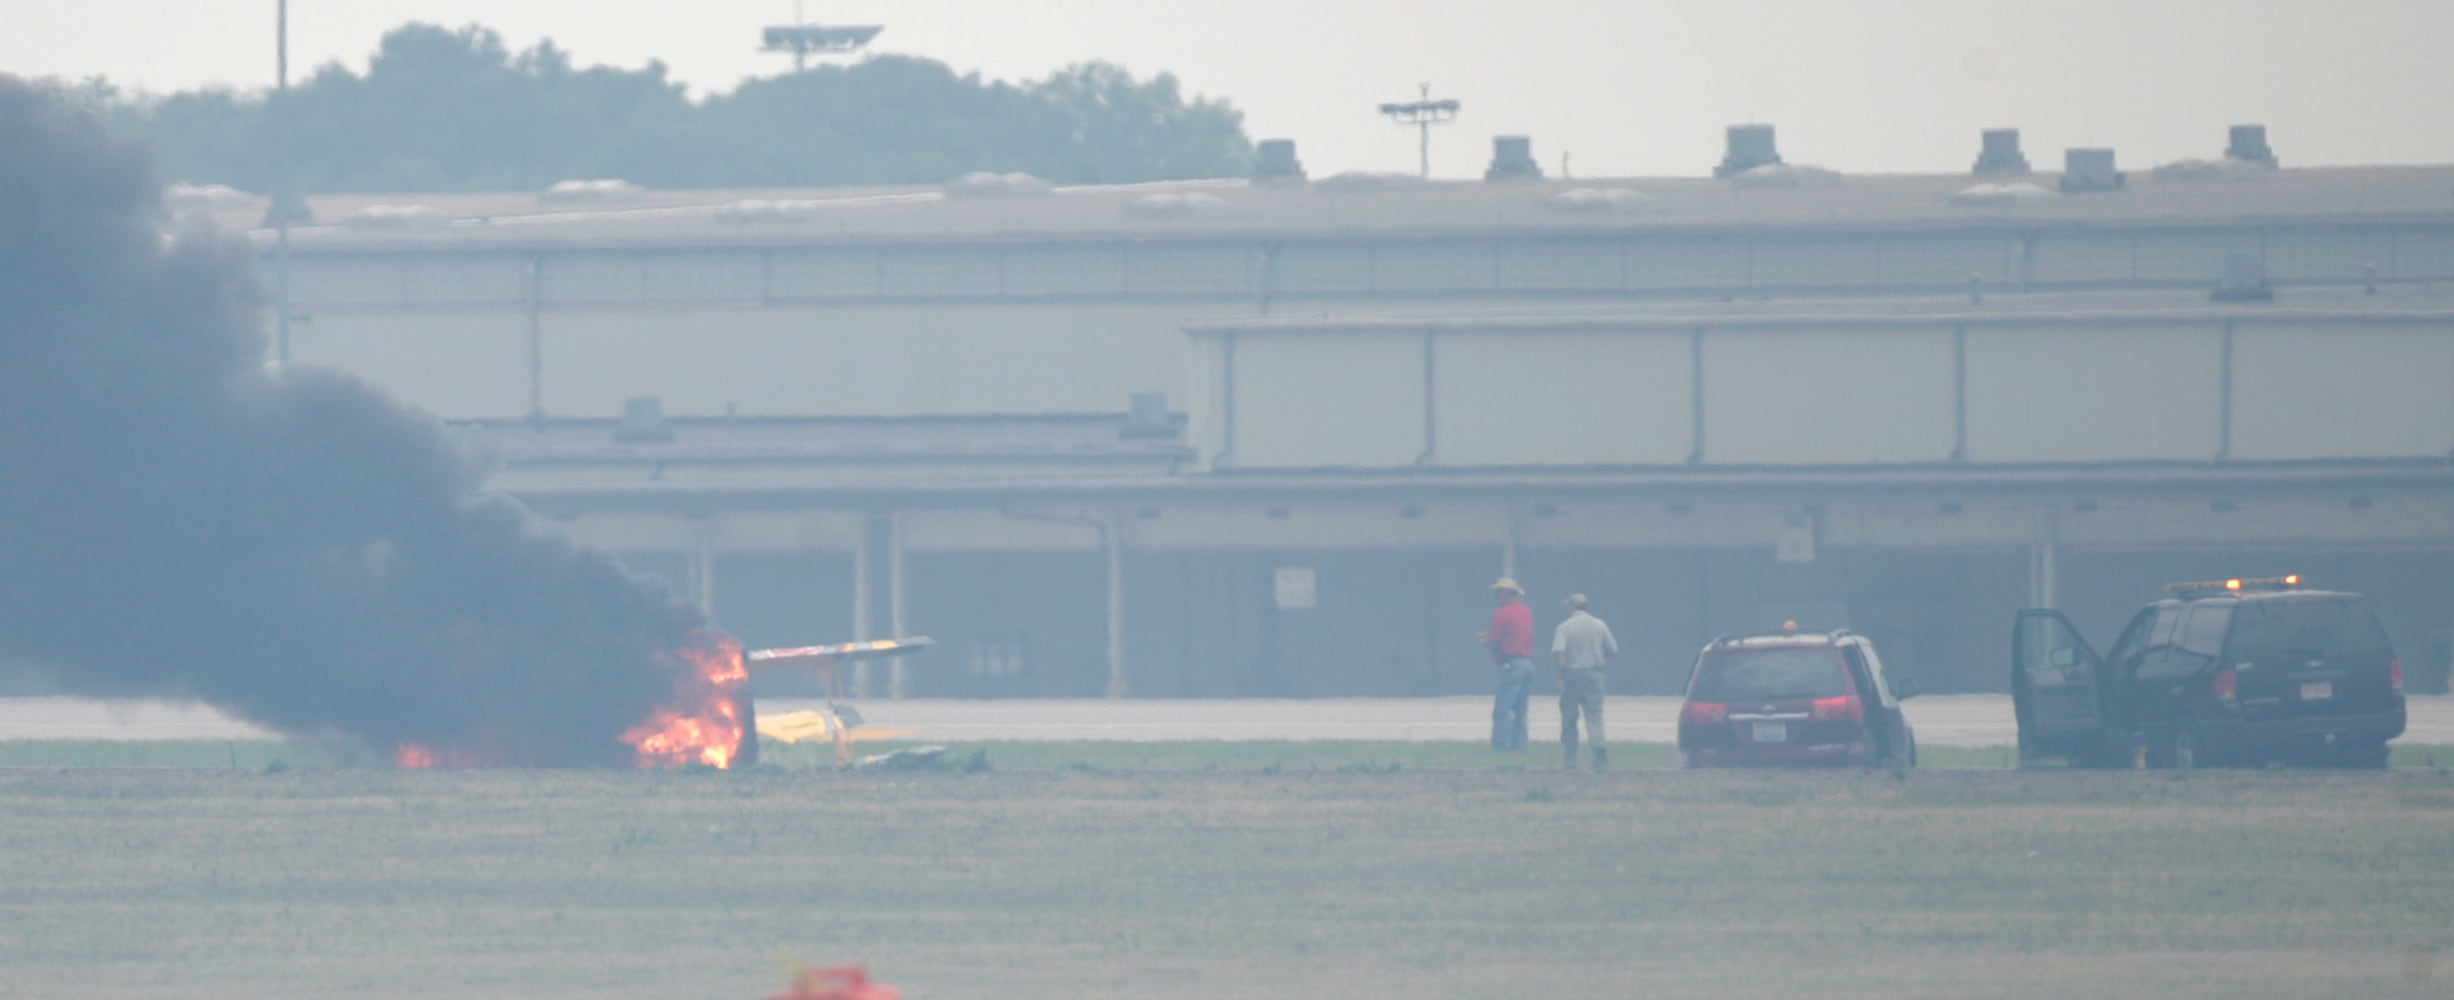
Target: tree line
column 456, row 110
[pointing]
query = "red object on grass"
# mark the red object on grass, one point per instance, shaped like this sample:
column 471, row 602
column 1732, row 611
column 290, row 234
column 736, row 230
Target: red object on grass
column 840, row 982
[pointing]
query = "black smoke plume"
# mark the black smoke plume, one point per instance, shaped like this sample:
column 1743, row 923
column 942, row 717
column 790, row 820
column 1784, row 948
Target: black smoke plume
column 290, row 545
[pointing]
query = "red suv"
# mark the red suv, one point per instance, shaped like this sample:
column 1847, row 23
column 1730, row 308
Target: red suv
column 1794, row 698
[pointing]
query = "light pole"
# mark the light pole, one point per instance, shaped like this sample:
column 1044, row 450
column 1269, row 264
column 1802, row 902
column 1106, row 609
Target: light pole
column 802, row 39
column 1422, row 114
column 282, row 195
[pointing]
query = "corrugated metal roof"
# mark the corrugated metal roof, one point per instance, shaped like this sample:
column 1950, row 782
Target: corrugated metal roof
column 1395, row 209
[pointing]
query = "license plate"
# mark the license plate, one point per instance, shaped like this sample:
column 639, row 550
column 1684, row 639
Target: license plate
column 1771, row 732
column 2319, row 691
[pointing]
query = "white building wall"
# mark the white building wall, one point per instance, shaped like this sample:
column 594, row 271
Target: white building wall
column 862, row 361
column 1578, row 398
column 1817, row 262
column 1446, row 266
column 2425, row 254
column 2327, row 254
column 2082, row 258
column 1847, row 396
column 433, row 279
column 2192, row 256
column 1587, row 265
column 1663, row 264
column 2361, row 391
column 1350, row 399
column 457, row 365
column 2074, row 393
column 1948, row 260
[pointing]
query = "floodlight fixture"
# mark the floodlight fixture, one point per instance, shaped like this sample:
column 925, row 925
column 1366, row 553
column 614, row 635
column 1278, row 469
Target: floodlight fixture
column 1423, row 114
column 804, row 39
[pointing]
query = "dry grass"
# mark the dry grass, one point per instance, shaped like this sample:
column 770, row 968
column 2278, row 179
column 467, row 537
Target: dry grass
column 1313, row 884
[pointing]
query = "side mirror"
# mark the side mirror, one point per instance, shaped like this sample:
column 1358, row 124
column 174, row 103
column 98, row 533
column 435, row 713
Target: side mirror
column 2064, row 657
column 1904, row 686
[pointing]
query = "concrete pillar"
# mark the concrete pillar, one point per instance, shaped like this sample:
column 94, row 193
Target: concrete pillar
column 861, row 591
column 1112, row 537
column 703, row 565
column 1511, row 529
column 898, row 680
column 2042, row 553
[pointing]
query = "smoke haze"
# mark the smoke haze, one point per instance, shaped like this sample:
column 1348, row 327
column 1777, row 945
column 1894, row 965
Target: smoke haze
column 292, row 546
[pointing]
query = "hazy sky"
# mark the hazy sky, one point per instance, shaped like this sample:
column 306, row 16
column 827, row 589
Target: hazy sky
column 1625, row 87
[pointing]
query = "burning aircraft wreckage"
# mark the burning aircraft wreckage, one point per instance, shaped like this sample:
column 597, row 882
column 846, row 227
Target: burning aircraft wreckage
column 289, row 544
column 711, row 720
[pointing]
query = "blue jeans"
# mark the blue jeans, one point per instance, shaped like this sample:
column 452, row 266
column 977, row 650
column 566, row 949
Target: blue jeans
column 1508, row 704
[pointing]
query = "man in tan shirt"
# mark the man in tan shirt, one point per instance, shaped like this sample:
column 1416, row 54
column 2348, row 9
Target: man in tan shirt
column 1580, row 646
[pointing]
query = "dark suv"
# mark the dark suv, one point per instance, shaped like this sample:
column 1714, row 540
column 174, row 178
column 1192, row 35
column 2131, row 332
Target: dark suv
column 1794, row 698
column 2224, row 672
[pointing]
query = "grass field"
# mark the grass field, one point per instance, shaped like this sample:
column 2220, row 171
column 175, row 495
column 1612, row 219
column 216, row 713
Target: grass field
column 1267, row 756
column 1286, row 871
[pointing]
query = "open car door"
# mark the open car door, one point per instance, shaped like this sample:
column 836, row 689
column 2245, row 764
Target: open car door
column 2055, row 687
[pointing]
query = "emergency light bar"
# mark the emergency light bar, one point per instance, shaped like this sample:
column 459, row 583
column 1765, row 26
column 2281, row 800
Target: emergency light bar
column 2237, row 585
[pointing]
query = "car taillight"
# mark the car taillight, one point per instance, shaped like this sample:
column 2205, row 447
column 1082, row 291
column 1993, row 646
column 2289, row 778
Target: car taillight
column 2394, row 672
column 2227, row 685
column 1844, row 707
column 1704, row 713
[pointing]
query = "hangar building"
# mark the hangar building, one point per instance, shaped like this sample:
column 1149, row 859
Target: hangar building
column 1261, row 438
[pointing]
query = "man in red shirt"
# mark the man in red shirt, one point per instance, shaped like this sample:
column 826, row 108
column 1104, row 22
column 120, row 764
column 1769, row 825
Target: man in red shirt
column 1511, row 641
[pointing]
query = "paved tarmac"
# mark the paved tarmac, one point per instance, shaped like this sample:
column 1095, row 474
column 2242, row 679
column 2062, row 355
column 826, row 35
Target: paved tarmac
column 1960, row 720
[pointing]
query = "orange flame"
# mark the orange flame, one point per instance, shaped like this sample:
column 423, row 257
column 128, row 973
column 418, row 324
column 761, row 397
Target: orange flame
column 702, row 725
column 412, row 757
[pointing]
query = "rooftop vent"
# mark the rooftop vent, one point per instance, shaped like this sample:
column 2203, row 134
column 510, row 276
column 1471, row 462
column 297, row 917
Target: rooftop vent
column 1786, row 175
column 2245, row 280
column 983, row 183
column 2249, row 144
column 1365, row 180
column 2085, row 170
column 1586, row 199
column 1999, row 152
column 1512, row 159
column 604, row 191
column 643, row 422
column 398, row 217
column 1147, row 417
column 1994, row 194
column 1276, row 163
column 1750, row 146
column 763, row 210
column 288, row 206
column 206, row 197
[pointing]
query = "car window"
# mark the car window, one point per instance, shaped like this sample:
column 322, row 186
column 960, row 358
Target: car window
column 2164, row 657
column 2133, row 640
column 1768, row 675
column 2202, row 632
column 2312, row 628
column 2168, row 620
column 1863, row 671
